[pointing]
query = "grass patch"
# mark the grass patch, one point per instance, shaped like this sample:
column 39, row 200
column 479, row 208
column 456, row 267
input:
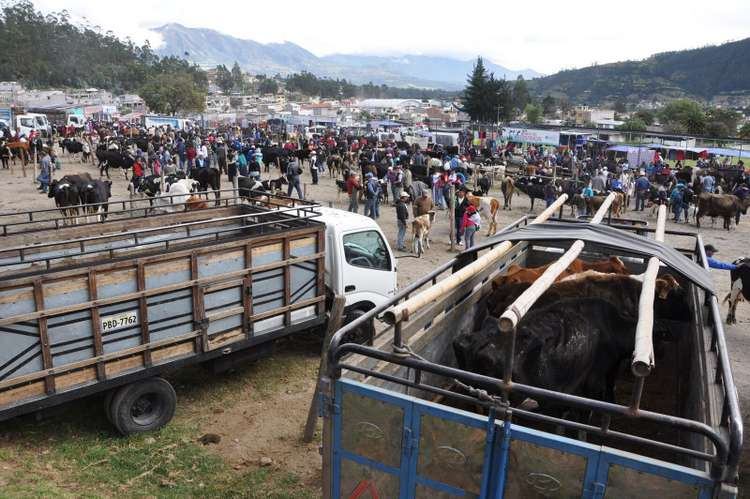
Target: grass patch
column 74, row 452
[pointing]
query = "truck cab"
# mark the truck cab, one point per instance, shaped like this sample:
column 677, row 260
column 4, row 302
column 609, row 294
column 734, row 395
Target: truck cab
column 25, row 123
column 76, row 120
column 359, row 262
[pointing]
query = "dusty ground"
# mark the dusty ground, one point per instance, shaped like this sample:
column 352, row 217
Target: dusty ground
column 261, row 416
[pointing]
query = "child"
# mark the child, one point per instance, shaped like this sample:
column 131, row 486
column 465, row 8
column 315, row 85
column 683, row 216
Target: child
column 470, row 225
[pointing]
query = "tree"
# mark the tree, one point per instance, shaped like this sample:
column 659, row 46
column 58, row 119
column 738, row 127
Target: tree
column 621, row 106
column 238, row 78
column 722, row 122
column 474, row 93
column 533, row 113
column 635, row 124
column 224, row 79
column 645, row 116
column 171, row 93
column 549, row 105
column 268, row 86
column 521, row 95
column 486, row 98
column 744, row 132
column 683, row 116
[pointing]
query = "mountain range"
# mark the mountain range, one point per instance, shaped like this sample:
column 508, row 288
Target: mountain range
column 208, row 48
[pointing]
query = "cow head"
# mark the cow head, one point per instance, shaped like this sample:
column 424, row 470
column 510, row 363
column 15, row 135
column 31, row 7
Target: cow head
column 108, row 187
column 664, row 285
column 53, row 188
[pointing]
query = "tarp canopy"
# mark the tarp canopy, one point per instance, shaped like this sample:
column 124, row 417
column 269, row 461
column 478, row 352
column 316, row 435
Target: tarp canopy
column 615, row 239
column 720, row 151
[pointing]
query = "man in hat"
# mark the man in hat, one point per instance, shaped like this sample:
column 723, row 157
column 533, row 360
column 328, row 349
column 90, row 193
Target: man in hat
column 642, row 186
column 402, row 215
column 711, row 250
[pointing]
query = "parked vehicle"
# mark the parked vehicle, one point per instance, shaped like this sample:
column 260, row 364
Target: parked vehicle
column 110, row 306
column 402, row 420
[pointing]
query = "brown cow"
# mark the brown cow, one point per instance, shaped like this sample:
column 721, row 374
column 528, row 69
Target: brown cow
column 622, row 291
column 508, row 188
column 195, row 203
column 596, row 201
column 721, row 205
column 517, row 274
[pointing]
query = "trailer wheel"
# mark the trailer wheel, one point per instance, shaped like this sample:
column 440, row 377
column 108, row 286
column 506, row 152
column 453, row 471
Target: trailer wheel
column 364, row 333
column 108, row 405
column 143, row 406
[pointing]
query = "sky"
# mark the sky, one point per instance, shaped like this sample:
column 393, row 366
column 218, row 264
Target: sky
column 546, row 36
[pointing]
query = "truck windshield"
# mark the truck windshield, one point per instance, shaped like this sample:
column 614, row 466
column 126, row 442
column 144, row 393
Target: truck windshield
column 367, row 249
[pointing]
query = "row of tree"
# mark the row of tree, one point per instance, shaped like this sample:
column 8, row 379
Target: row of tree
column 50, row 51
column 690, row 117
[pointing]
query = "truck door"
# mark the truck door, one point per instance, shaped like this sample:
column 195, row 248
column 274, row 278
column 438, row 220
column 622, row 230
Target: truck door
column 368, row 266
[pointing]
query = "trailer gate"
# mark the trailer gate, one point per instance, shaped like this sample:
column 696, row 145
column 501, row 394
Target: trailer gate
column 389, row 445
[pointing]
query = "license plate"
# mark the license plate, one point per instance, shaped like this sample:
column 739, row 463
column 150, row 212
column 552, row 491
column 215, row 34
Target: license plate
column 119, row 321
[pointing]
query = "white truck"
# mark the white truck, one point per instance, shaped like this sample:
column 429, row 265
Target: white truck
column 111, row 306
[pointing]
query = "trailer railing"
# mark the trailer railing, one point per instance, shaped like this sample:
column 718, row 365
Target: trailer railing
column 162, row 237
column 726, row 438
column 12, row 223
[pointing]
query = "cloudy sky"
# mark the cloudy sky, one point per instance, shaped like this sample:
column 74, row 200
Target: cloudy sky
column 543, row 35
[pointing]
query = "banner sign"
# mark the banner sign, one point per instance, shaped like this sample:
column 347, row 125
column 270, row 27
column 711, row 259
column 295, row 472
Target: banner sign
column 531, row 136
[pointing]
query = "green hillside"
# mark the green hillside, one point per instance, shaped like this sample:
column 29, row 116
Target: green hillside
column 702, row 73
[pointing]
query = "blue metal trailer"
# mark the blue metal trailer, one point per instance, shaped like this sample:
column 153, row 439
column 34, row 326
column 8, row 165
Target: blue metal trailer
column 402, row 421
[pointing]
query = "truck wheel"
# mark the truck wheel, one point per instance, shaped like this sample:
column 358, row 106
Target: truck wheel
column 108, row 405
column 362, row 334
column 143, row 406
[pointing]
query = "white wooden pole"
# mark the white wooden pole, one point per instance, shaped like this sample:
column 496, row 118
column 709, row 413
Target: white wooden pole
column 518, row 309
column 402, row 311
column 643, row 353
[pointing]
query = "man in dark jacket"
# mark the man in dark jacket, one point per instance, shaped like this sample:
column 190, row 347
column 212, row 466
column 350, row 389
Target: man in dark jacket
column 293, row 171
column 461, row 204
column 402, row 215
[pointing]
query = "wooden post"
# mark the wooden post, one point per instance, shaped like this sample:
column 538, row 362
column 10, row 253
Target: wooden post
column 335, row 318
column 235, row 189
column 451, row 202
column 643, row 353
column 403, row 310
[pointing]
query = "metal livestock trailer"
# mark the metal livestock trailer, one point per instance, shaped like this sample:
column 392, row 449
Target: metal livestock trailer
column 402, row 420
column 111, row 305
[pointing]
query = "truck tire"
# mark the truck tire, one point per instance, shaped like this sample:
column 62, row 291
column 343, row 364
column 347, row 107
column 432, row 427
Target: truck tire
column 364, row 333
column 108, row 405
column 143, row 406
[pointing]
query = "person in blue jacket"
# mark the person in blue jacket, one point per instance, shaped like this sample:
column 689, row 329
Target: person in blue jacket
column 716, row 264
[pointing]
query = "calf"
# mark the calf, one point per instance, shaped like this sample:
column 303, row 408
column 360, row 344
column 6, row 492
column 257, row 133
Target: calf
column 740, row 287
column 420, row 227
column 487, row 206
column 195, row 203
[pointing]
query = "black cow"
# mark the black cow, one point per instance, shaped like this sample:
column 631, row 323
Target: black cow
column 95, row 198
column 533, row 187
column 208, row 178
column 114, row 159
column 484, row 184
column 150, row 185
column 740, row 287
column 246, row 185
column 66, row 198
column 71, row 146
column 572, row 346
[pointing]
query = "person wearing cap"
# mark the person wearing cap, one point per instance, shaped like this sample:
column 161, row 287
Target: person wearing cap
column 470, row 224
column 314, row 168
column 710, row 250
column 397, row 182
column 221, row 155
column 402, row 216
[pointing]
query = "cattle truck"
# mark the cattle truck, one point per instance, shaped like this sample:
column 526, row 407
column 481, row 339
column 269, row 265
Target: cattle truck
column 402, row 420
column 111, row 306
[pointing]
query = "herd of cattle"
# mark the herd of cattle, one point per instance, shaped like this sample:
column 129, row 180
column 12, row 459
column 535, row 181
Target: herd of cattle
column 576, row 336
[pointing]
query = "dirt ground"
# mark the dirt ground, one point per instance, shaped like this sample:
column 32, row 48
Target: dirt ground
column 270, row 426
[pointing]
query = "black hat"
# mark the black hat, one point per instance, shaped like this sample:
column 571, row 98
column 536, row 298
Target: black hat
column 710, row 248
